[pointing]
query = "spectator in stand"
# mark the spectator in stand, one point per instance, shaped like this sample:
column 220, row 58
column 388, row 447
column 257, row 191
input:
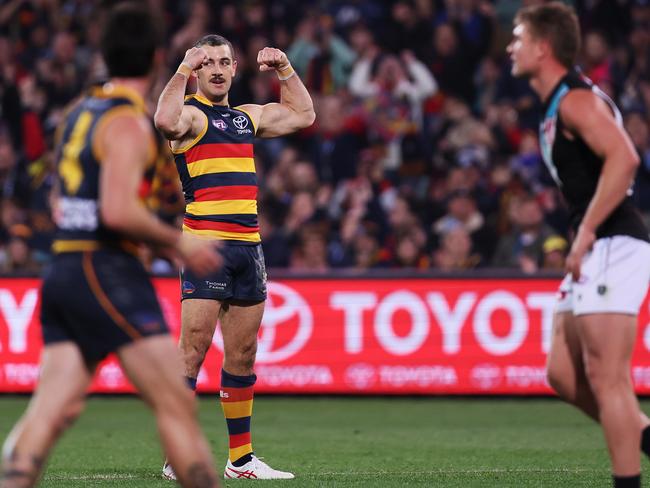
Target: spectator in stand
column 639, row 131
column 407, row 31
column 414, row 109
column 392, row 100
column 455, row 251
column 9, row 159
column 18, row 255
column 528, row 161
column 366, row 250
column 63, row 74
column 398, row 78
column 32, row 102
column 276, row 243
column 555, row 249
column 503, row 120
column 635, row 87
column 462, row 37
column 463, row 212
column 363, row 42
column 410, row 251
column 310, row 251
column 338, row 140
column 196, row 25
column 321, row 57
column 471, row 143
column 488, row 78
column 302, row 210
column 522, row 248
column 596, row 62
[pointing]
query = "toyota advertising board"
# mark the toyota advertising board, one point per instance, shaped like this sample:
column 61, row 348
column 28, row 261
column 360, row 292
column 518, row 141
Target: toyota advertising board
column 356, row 336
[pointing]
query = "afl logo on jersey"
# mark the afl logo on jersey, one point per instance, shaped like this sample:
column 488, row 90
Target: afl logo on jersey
column 219, row 124
column 240, row 122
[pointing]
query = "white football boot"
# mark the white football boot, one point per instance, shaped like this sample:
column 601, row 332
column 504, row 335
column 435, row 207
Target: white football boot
column 255, row 469
column 168, row 472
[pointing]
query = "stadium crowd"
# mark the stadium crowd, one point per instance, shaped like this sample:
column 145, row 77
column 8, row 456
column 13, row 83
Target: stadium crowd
column 424, row 153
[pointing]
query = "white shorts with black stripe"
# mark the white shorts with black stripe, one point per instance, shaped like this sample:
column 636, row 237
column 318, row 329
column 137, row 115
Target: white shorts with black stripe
column 614, row 279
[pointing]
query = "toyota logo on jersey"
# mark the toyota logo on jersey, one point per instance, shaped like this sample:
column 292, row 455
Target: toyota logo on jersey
column 240, row 122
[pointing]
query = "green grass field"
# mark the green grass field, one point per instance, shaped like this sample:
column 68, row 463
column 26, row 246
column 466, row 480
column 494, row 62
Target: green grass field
column 348, row 442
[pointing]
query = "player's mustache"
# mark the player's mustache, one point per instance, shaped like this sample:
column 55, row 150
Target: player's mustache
column 218, row 79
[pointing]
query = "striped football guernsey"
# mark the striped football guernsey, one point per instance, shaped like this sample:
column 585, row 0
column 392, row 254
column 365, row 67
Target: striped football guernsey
column 217, row 170
column 79, row 226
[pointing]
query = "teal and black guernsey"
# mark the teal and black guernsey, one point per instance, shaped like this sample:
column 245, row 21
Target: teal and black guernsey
column 576, row 168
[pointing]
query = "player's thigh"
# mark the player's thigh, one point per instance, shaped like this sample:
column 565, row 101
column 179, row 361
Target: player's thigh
column 64, row 379
column 607, row 341
column 242, row 315
column 564, row 362
column 154, row 367
column 198, row 320
column 240, row 323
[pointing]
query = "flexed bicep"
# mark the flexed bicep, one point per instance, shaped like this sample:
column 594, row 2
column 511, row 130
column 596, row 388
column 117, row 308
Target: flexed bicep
column 295, row 110
column 277, row 120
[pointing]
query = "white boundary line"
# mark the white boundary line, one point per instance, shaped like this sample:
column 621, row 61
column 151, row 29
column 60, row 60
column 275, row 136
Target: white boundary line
column 467, row 471
column 90, row 477
column 125, row 476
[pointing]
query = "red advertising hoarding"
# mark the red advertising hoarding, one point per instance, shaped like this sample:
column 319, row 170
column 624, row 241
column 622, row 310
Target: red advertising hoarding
column 356, row 336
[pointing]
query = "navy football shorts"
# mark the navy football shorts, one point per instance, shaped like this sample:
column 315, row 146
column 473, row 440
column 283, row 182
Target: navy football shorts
column 100, row 300
column 242, row 276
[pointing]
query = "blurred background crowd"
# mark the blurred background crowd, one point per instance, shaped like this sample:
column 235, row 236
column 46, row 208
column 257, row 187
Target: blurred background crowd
column 424, row 152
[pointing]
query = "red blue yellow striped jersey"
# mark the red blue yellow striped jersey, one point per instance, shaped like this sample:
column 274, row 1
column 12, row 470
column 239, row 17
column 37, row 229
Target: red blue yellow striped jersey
column 217, row 170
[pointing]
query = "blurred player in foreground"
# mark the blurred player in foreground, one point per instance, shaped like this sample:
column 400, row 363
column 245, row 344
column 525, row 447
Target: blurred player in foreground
column 593, row 161
column 97, row 297
column 213, row 147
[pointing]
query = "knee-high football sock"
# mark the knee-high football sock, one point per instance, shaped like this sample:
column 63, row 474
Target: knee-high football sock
column 237, row 402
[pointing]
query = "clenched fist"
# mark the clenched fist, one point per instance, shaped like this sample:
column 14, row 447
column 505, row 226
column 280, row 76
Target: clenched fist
column 271, row 58
column 195, row 57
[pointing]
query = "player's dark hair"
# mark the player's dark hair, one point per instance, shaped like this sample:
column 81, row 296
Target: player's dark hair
column 215, row 40
column 129, row 39
column 557, row 23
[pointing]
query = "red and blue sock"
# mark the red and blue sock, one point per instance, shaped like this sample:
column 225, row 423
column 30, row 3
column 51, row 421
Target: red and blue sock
column 237, row 403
